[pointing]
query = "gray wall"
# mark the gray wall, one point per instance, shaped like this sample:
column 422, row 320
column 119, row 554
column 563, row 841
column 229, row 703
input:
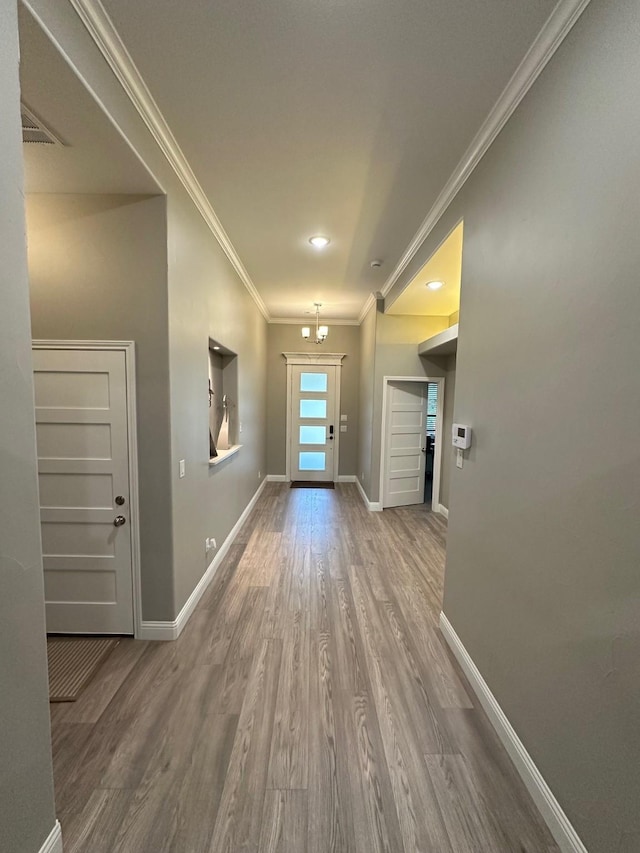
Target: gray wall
column 396, row 354
column 448, row 459
column 542, row 580
column 367, row 371
column 98, row 271
column 287, row 338
column 206, row 300
column 26, row 785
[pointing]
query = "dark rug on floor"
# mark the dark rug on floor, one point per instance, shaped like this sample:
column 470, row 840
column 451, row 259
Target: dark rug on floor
column 310, row 484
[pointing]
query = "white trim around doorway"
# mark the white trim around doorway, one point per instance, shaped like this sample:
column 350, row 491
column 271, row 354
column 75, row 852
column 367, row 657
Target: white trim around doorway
column 323, row 359
column 129, row 350
column 437, row 456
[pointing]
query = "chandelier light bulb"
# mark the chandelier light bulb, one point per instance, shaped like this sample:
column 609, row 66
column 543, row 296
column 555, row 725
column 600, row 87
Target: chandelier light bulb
column 321, row 332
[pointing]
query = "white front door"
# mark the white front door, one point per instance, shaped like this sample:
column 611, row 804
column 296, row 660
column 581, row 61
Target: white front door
column 405, row 453
column 83, row 470
column 313, row 433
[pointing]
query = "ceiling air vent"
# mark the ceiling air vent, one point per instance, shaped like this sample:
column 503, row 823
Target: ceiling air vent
column 34, row 130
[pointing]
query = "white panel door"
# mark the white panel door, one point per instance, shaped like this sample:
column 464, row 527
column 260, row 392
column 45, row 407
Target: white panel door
column 405, row 452
column 313, row 426
column 83, row 470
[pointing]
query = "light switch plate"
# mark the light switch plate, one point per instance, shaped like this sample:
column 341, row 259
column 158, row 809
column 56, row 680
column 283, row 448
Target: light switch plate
column 343, row 417
column 459, row 458
column 182, row 468
column 343, row 427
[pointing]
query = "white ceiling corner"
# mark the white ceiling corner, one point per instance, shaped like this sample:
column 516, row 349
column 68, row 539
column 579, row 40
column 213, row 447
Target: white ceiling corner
column 103, row 32
column 548, row 40
column 289, row 277
column 368, row 305
column 309, row 320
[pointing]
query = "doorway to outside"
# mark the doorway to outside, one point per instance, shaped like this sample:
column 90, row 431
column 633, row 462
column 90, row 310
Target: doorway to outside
column 411, row 445
column 313, row 417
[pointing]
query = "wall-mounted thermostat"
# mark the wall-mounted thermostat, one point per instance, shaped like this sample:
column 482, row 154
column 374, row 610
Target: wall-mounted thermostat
column 461, row 434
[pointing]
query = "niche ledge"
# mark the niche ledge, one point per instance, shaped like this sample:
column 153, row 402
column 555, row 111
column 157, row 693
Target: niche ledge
column 224, row 454
column 444, row 343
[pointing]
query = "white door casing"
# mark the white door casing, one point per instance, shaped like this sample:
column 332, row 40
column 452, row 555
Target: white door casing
column 403, row 446
column 313, row 416
column 83, row 427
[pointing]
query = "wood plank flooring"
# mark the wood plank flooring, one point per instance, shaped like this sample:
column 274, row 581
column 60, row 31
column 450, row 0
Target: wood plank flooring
column 310, row 706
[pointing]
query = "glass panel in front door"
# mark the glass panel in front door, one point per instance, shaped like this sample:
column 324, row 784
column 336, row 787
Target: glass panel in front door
column 313, row 409
column 313, row 382
column 312, row 461
column 313, row 435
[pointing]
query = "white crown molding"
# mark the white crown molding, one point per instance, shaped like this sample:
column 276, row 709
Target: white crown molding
column 314, row 357
column 302, row 321
column 368, row 305
column 552, row 812
column 101, row 29
column 548, row 40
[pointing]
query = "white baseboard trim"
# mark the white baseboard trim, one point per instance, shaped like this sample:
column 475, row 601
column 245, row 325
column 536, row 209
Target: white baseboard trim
column 277, row 478
column 443, row 510
column 559, row 825
column 172, row 630
column 347, row 478
column 372, row 506
column 53, row 844
column 150, row 630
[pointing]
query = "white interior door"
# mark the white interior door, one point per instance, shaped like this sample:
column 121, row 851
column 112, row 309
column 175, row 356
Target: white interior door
column 405, row 451
column 313, row 430
column 83, row 469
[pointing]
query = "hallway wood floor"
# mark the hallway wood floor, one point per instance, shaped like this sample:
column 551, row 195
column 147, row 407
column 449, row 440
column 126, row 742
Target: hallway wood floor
column 309, row 705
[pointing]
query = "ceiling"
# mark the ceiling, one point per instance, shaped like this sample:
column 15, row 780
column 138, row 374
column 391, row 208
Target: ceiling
column 95, row 157
column 339, row 117
column 444, row 265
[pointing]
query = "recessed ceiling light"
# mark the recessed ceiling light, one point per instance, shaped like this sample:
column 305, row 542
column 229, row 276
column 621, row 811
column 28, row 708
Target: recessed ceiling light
column 216, row 347
column 319, row 242
column 435, row 285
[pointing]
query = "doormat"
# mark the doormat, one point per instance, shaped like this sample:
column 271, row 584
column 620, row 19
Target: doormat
column 310, row 484
column 73, row 661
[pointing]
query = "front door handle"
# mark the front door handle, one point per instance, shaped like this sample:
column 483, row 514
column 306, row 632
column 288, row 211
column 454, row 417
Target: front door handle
column 119, row 520
column 331, row 433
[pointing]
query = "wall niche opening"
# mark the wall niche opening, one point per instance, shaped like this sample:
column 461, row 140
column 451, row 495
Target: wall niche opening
column 224, row 425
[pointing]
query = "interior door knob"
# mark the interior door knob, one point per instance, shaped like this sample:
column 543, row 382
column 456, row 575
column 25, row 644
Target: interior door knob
column 119, row 520
column 120, row 500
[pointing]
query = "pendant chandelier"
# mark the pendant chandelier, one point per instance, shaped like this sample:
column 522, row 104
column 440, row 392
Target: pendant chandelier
column 321, row 332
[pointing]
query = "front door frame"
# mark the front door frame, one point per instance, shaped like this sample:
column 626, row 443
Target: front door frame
column 129, row 350
column 437, row 453
column 322, row 359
